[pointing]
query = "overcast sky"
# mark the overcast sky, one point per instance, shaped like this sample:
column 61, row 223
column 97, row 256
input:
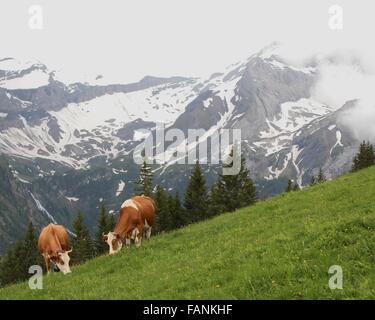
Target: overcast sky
column 125, row 40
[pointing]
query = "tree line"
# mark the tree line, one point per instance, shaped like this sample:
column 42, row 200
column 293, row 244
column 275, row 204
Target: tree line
column 227, row 194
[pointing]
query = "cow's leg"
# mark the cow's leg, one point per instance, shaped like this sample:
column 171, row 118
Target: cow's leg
column 127, row 241
column 138, row 236
column 148, row 233
column 48, row 267
column 138, row 241
column 147, row 230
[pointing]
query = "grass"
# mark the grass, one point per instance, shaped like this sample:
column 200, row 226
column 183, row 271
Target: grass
column 280, row 248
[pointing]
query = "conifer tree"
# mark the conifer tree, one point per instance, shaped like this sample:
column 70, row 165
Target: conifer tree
column 296, row 187
column 313, row 181
column 102, row 228
column 111, row 222
column 177, row 218
column 162, row 209
column 290, row 186
column 11, row 266
column 31, row 255
column 82, row 243
column 195, row 201
column 233, row 191
column 215, row 201
column 321, row 177
column 14, row 266
column 144, row 184
column 247, row 191
column 365, row 157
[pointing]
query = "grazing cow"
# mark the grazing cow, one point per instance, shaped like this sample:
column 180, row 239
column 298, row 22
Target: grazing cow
column 137, row 216
column 53, row 244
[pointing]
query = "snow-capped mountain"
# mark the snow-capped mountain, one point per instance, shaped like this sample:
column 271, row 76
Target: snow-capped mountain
column 71, row 144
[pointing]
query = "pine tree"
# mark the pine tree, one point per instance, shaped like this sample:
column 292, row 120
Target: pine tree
column 321, row 177
column 215, row 202
column 171, row 223
column 247, row 191
column 177, row 214
column 144, row 184
column 365, row 157
column 162, row 210
column 15, row 265
column 82, row 243
column 111, row 222
column 233, row 191
column 102, row 228
column 313, row 181
column 195, row 201
column 30, row 249
column 11, row 266
column 290, row 186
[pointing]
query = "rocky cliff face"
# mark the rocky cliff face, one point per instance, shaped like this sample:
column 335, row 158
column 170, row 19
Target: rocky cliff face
column 17, row 207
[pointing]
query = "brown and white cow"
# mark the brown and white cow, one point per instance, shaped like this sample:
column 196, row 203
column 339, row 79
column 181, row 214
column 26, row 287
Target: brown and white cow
column 137, row 216
column 53, row 244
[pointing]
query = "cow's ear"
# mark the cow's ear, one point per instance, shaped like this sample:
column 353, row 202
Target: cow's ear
column 117, row 236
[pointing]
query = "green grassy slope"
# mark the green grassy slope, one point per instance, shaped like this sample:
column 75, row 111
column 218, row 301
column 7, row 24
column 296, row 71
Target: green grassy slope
column 279, row 248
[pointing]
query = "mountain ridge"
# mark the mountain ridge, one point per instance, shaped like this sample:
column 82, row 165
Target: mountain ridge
column 57, row 135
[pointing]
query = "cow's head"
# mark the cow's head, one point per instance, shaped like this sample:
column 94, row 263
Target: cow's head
column 114, row 241
column 62, row 259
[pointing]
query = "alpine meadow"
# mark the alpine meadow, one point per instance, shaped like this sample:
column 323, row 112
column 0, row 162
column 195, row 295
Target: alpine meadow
column 281, row 248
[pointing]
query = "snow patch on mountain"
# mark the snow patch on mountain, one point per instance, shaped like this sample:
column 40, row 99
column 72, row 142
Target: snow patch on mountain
column 296, row 151
column 293, row 116
column 338, row 141
column 42, row 209
column 162, row 103
column 331, row 127
column 72, row 199
column 120, row 188
column 32, row 142
column 227, row 92
column 275, row 173
column 96, row 122
column 207, row 103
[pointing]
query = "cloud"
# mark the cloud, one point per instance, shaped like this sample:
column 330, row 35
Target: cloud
column 361, row 120
column 344, row 78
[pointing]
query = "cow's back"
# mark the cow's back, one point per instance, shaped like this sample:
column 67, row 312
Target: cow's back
column 63, row 237
column 53, row 238
column 146, row 207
